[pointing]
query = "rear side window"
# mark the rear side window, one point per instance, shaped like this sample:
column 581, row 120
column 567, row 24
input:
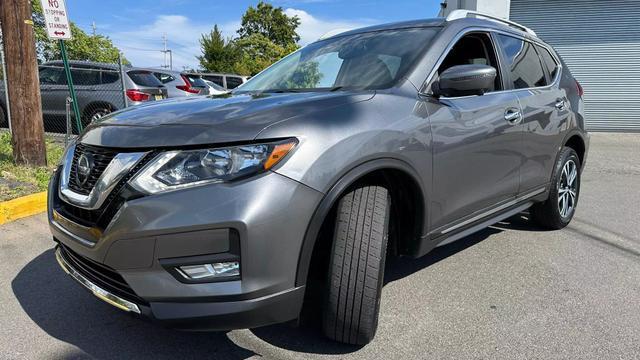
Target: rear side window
column 85, row 77
column 195, row 80
column 144, row 78
column 164, row 78
column 549, row 62
column 214, row 78
column 233, row 82
column 523, row 62
column 51, row 75
column 109, row 77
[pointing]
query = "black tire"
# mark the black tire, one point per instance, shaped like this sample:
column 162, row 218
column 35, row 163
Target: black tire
column 96, row 114
column 4, row 123
column 356, row 269
column 548, row 214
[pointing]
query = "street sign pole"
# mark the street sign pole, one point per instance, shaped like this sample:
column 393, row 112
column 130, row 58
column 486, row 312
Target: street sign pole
column 72, row 92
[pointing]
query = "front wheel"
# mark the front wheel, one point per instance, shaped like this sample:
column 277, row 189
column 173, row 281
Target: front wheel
column 558, row 210
column 356, row 270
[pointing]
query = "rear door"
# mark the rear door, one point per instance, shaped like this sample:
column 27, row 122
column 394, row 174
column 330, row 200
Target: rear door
column 534, row 76
column 53, row 87
column 476, row 151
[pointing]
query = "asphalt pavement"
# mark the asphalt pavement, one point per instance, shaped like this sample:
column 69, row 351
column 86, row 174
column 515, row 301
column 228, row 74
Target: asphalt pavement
column 512, row 291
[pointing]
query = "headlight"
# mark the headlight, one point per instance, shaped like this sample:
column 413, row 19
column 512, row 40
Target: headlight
column 186, row 168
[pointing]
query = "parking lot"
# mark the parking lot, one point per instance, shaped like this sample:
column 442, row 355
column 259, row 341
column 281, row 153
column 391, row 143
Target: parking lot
column 511, row 291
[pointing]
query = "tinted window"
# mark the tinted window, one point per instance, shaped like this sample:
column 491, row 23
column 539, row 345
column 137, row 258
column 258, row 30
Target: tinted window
column 523, row 62
column 109, row 77
column 233, row 82
column 549, row 62
column 214, row 78
column 195, row 80
column 144, row 78
column 85, row 77
column 164, row 78
column 51, row 75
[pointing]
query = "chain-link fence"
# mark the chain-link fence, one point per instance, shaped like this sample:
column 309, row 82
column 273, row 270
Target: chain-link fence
column 99, row 87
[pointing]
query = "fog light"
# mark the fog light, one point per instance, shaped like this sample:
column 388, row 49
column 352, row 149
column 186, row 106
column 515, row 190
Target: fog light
column 206, row 271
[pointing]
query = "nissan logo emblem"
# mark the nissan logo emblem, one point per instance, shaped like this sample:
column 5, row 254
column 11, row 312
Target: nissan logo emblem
column 83, row 168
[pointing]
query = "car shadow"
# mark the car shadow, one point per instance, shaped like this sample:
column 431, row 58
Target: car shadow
column 67, row 312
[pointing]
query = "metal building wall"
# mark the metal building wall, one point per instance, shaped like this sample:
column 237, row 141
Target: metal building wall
column 600, row 42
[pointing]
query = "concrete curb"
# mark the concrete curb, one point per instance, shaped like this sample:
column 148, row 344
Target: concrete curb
column 22, row 207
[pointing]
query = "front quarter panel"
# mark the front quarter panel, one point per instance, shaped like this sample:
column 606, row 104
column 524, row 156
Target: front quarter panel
column 391, row 125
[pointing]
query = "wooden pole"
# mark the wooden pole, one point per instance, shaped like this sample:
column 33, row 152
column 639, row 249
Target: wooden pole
column 22, row 78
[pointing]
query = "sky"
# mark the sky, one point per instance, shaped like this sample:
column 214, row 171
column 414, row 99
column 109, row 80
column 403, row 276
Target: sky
column 137, row 27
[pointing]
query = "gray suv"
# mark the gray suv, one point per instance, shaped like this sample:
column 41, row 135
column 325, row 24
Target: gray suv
column 99, row 91
column 216, row 213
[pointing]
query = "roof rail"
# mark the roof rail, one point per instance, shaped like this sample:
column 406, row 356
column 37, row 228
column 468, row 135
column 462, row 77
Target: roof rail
column 461, row 14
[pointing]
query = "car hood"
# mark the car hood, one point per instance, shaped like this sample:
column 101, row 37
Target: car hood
column 208, row 119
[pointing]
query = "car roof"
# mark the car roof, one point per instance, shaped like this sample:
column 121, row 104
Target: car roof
column 84, row 64
column 438, row 22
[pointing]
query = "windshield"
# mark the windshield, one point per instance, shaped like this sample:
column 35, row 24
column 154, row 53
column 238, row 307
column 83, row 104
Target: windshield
column 374, row 60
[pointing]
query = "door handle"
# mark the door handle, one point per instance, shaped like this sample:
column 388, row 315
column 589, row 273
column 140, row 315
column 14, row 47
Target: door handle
column 561, row 104
column 513, row 116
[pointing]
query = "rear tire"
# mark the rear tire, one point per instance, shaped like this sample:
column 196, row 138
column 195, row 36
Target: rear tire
column 557, row 211
column 4, row 123
column 356, row 269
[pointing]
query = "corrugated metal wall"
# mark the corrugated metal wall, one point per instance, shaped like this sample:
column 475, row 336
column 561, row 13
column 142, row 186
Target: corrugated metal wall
column 600, row 42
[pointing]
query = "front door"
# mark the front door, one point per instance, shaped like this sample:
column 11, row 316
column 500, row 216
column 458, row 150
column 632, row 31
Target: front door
column 477, row 142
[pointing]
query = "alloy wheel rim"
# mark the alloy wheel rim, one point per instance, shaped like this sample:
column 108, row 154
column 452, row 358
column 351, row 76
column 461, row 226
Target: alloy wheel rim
column 98, row 115
column 568, row 189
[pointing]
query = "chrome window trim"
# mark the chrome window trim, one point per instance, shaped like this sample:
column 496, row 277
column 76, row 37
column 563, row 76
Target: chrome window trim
column 425, row 92
column 119, row 166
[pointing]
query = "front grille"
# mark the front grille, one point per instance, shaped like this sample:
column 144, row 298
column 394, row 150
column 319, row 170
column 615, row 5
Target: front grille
column 101, row 275
column 102, row 216
column 101, row 159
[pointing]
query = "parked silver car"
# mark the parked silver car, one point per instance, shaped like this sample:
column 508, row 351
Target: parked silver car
column 99, row 91
column 181, row 84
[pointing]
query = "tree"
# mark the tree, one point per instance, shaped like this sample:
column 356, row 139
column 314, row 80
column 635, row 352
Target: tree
column 258, row 52
column 270, row 22
column 267, row 35
column 218, row 54
column 81, row 47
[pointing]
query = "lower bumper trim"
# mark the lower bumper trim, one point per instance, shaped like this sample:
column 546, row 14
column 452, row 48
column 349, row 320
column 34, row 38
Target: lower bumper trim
column 99, row 292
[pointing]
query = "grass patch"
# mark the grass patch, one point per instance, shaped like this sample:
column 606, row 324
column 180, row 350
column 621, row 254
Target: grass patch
column 20, row 180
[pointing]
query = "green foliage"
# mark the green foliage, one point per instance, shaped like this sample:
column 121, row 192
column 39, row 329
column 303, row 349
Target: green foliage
column 20, row 180
column 306, row 76
column 81, row 47
column 270, row 22
column 218, row 54
column 258, row 52
column 267, row 35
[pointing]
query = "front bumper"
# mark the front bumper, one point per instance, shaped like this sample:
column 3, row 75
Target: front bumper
column 267, row 216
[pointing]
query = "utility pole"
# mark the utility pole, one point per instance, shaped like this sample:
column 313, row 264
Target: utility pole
column 93, row 27
column 24, row 87
column 164, row 51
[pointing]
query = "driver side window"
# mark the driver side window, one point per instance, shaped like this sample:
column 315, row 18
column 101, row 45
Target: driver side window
column 473, row 49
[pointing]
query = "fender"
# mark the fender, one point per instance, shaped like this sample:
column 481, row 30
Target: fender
column 333, row 195
column 569, row 135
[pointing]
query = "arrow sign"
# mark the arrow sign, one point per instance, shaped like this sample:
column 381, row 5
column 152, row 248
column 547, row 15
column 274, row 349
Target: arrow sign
column 56, row 20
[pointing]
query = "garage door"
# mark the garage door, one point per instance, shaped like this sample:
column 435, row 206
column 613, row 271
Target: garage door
column 600, row 41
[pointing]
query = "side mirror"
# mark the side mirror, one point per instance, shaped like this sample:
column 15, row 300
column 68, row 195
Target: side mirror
column 464, row 80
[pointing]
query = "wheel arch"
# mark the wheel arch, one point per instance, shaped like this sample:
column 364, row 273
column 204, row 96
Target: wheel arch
column 577, row 143
column 394, row 172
